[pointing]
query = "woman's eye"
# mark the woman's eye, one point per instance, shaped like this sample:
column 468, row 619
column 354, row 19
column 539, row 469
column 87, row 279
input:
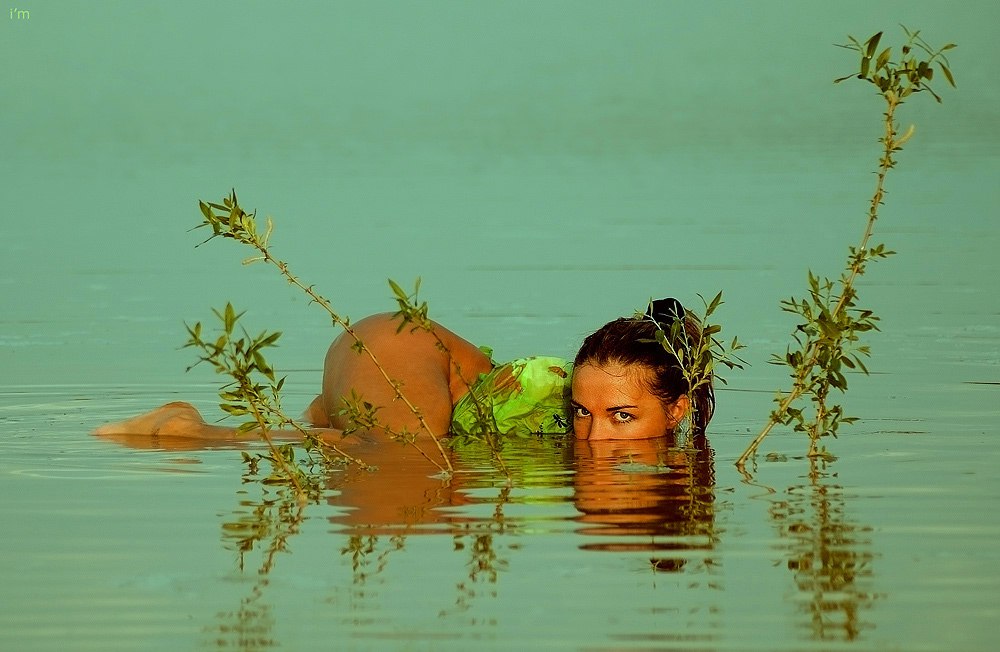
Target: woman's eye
column 623, row 417
column 581, row 412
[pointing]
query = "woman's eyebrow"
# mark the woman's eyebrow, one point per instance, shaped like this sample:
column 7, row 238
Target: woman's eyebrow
column 610, row 409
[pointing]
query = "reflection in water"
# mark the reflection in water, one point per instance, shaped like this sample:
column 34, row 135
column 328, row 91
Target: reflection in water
column 265, row 524
column 647, row 495
column 830, row 558
column 249, row 627
column 484, row 565
column 366, row 559
column 380, row 511
column 405, row 493
column 484, row 561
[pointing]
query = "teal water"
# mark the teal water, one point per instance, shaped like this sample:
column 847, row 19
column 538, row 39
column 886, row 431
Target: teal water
column 543, row 167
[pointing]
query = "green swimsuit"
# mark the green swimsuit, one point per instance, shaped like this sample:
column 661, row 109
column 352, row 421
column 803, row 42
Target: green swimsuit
column 529, row 395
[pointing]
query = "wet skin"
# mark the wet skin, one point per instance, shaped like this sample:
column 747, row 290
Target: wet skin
column 614, row 402
column 609, row 402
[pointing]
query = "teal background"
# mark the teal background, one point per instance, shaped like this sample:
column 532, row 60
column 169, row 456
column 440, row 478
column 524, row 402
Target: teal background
column 543, row 167
column 631, row 149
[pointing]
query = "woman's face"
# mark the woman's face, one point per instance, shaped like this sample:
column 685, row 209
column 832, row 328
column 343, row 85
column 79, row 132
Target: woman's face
column 613, row 402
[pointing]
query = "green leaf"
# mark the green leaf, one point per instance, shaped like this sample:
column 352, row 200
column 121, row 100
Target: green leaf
column 205, row 210
column 714, row 304
column 829, row 329
column 235, row 410
column 872, row 45
column 398, row 291
column 883, row 58
column 229, row 318
column 947, row 74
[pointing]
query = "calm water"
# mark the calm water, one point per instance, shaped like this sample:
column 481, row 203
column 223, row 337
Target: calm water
column 543, row 167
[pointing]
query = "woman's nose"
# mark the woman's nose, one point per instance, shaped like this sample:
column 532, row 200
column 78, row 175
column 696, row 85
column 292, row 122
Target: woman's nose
column 601, row 430
column 594, row 430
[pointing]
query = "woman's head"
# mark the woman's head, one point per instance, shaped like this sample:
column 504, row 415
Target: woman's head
column 627, row 385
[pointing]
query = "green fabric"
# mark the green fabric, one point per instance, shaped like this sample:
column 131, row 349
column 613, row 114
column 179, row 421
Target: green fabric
column 526, row 396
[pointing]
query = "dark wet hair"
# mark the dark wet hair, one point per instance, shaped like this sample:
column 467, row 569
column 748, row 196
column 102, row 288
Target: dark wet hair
column 632, row 341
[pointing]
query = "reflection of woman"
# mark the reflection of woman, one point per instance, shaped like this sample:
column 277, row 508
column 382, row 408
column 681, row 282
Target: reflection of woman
column 645, row 488
column 623, row 384
column 630, row 494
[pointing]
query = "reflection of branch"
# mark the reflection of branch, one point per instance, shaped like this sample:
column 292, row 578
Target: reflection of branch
column 485, row 562
column 361, row 548
column 748, row 479
column 249, row 627
column 830, row 558
column 272, row 520
column 484, row 567
column 267, row 526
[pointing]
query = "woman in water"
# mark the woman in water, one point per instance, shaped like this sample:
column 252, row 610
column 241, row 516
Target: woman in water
column 622, row 384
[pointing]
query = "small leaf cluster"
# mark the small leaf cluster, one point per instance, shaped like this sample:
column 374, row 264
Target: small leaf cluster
column 828, row 339
column 229, row 220
column 700, row 352
column 362, row 416
column 411, row 309
column 241, row 358
column 913, row 71
column 254, row 391
column 415, row 313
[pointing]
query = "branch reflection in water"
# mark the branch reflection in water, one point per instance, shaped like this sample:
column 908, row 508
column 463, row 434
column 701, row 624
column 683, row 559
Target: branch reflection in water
column 259, row 526
column 829, row 555
column 621, row 497
column 264, row 524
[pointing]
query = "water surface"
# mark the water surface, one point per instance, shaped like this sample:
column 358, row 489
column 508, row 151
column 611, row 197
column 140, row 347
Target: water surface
column 543, row 167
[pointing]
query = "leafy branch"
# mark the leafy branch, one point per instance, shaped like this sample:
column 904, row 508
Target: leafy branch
column 255, row 392
column 229, row 220
column 242, row 360
column 698, row 351
column 828, row 335
column 414, row 312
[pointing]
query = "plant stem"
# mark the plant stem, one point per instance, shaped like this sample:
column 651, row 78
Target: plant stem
column 291, row 473
column 340, row 321
column 799, row 385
